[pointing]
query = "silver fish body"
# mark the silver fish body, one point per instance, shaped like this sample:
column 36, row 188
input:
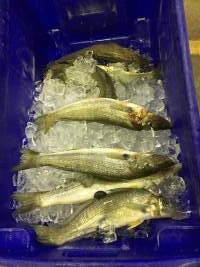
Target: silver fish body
column 105, row 110
column 106, row 163
column 128, row 208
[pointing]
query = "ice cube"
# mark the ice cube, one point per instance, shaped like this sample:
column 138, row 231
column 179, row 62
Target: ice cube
column 143, row 93
column 110, row 237
column 15, row 179
column 172, row 186
column 19, row 181
column 38, row 86
column 157, row 106
column 159, row 91
column 107, row 231
column 122, row 91
column 147, row 145
column 126, row 138
column 36, row 109
column 30, row 130
column 177, row 149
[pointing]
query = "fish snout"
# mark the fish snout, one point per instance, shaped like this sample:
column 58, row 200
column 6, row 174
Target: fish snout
column 171, row 209
column 162, row 161
column 157, row 122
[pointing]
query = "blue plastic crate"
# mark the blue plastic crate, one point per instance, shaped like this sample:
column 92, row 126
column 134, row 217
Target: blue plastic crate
column 35, row 32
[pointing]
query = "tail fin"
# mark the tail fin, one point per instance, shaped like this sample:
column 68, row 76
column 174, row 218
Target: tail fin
column 28, row 201
column 28, row 160
column 45, row 122
column 48, row 235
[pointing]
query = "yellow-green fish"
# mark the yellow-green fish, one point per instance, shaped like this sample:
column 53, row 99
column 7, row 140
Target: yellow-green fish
column 104, row 163
column 105, row 110
column 129, row 208
column 78, row 193
column 108, row 52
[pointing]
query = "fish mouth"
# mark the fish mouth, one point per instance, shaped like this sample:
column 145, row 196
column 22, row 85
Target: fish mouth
column 172, row 209
column 163, row 161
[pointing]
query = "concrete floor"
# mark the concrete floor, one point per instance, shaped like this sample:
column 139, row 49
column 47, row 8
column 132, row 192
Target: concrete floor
column 192, row 11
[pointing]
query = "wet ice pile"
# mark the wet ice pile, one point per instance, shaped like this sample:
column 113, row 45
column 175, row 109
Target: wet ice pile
column 54, row 93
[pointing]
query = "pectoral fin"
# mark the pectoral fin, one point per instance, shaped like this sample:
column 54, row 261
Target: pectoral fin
column 135, row 224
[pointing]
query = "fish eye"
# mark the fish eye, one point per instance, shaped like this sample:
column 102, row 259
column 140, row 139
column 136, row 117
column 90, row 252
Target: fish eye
column 100, row 194
column 126, row 156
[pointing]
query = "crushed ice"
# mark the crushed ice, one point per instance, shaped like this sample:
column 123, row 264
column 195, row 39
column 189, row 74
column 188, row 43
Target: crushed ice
column 54, row 93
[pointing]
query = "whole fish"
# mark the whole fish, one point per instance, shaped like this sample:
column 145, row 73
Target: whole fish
column 105, row 110
column 117, row 72
column 78, row 193
column 129, row 208
column 108, row 52
column 104, row 163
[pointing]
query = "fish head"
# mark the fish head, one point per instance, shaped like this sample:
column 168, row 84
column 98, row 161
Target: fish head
column 141, row 118
column 157, row 161
column 157, row 122
column 142, row 197
column 171, row 209
column 155, row 206
column 144, row 164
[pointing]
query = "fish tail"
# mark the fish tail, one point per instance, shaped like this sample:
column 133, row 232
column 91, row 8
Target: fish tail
column 28, row 201
column 28, row 160
column 45, row 122
column 48, row 235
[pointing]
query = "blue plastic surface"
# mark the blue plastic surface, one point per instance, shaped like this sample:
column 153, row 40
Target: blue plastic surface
column 35, row 32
